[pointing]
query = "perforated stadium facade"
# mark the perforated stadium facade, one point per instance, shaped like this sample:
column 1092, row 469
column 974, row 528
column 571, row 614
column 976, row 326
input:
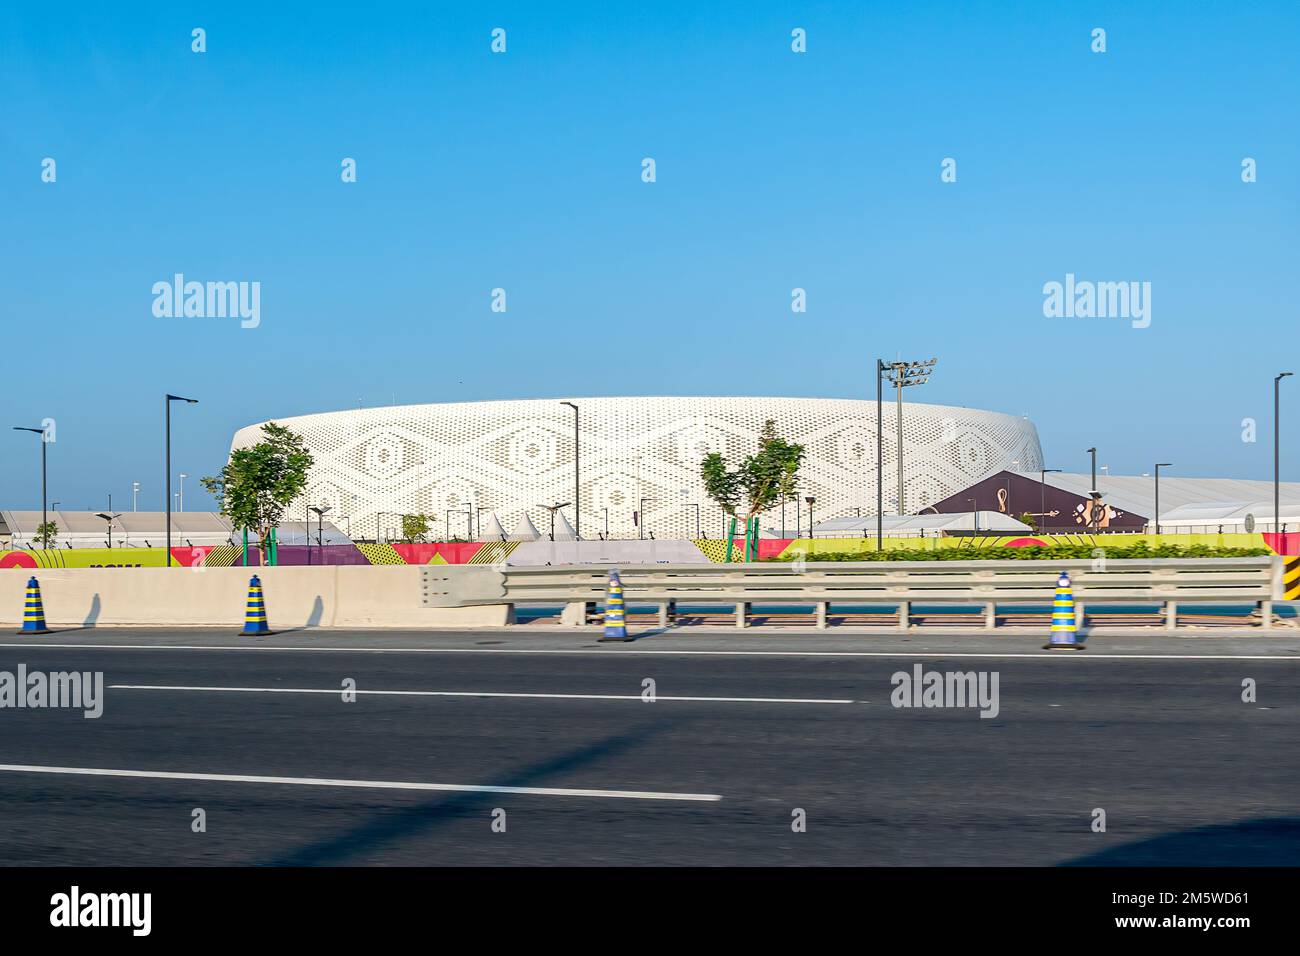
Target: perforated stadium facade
column 512, row 457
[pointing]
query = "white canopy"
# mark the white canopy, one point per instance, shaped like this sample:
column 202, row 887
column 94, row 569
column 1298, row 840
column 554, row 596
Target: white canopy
column 910, row 526
column 563, row 530
column 525, row 530
column 493, row 531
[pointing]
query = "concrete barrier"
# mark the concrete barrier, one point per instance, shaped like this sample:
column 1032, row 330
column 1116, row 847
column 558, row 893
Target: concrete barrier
column 296, row 597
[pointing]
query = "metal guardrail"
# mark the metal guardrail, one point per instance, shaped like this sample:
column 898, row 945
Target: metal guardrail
column 1165, row 581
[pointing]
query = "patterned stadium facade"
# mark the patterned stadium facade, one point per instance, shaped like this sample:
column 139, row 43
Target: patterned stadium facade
column 512, row 457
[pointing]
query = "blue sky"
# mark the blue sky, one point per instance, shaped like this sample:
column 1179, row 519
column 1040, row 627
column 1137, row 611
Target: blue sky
column 775, row 170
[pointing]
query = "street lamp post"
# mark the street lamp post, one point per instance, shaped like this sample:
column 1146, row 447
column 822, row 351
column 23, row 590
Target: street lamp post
column 1159, row 465
column 880, row 459
column 1042, row 494
column 811, row 501
column 109, row 516
column 552, row 509
column 1092, row 513
column 320, row 524
column 135, row 496
column 379, row 515
column 1277, row 457
column 640, row 525
column 168, row 495
column 577, row 505
column 691, row 504
column 975, row 515
column 903, row 375
column 45, row 518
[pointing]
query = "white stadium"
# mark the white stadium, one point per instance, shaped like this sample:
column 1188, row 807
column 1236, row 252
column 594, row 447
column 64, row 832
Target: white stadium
column 465, row 462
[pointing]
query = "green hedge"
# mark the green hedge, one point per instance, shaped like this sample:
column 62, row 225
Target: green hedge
column 1056, row 552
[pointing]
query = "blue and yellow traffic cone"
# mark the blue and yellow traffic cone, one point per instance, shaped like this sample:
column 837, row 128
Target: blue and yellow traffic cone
column 1064, row 630
column 255, row 614
column 615, row 612
column 34, row 610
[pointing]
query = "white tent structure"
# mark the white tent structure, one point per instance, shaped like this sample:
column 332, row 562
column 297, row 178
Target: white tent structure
column 525, row 530
column 563, row 530
column 1188, row 505
column 926, row 525
column 493, row 531
column 1226, row 517
column 148, row 529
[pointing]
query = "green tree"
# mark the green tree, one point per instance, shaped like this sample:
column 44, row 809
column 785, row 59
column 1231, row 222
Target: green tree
column 773, row 470
column 1029, row 519
column 758, row 481
column 48, row 534
column 258, row 483
column 721, row 485
column 416, row 526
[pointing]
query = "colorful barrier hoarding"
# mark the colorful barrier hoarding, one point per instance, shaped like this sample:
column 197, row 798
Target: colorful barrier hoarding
column 473, row 552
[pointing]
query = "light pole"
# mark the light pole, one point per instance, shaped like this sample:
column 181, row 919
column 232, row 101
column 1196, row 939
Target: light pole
column 552, row 509
column 109, row 516
column 320, row 524
column 901, row 376
column 811, row 501
column 45, row 518
column 135, row 495
column 182, row 476
column 640, row 525
column 1092, row 513
column 1159, row 465
column 168, row 496
column 975, row 515
column 1277, row 457
column 577, row 507
column 880, row 440
column 1042, row 494
column 379, row 517
column 691, row 504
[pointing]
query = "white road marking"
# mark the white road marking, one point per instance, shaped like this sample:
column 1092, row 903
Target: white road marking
column 479, row 693
column 366, row 784
column 623, row 651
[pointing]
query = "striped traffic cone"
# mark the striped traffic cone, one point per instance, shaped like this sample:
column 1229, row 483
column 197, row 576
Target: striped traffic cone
column 1064, row 630
column 615, row 620
column 255, row 613
column 34, row 610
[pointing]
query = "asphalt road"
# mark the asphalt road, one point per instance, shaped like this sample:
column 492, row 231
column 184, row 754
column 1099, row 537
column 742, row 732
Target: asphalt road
column 1152, row 730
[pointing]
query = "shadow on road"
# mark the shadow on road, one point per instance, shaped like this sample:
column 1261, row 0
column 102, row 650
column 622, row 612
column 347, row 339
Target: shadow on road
column 1262, row 842
column 404, row 823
